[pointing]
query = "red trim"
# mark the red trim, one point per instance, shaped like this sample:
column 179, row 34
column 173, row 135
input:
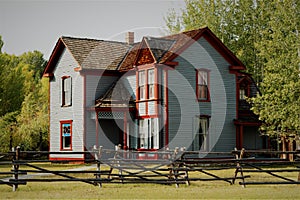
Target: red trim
column 148, row 116
column 156, row 89
column 236, row 122
column 222, row 49
column 55, row 55
column 65, row 158
column 232, row 67
column 71, row 132
column 97, row 129
column 237, row 96
column 49, row 116
column 125, row 146
column 241, row 134
column 215, row 42
column 146, row 88
column 84, row 112
column 237, row 137
column 166, row 96
column 171, row 63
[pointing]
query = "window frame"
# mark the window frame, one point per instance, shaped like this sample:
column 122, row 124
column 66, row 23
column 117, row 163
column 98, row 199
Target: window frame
column 62, row 137
column 197, row 126
column 151, row 83
column 149, row 137
column 199, row 85
column 64, row 95
column 142, row 84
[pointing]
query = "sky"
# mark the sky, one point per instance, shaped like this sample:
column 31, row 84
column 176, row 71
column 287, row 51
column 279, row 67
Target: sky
column 28, row 25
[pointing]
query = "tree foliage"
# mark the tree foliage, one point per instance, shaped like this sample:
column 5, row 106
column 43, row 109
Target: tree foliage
column 24, row 101
column 265, row 37
column 279, row 106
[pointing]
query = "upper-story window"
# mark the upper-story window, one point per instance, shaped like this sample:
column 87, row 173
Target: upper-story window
column 150, row 83
column 202, row 89
column 146, row 84
column 66, row 99
column 142, row 84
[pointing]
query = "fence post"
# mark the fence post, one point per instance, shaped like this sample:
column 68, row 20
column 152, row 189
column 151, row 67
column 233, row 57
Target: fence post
column 15, row 167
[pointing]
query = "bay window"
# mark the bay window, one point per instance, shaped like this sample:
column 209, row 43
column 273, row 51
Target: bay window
column 142, row 84
column 150, row 83
column 148, row 133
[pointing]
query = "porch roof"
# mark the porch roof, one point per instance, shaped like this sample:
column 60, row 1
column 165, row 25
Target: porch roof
column 116, row 96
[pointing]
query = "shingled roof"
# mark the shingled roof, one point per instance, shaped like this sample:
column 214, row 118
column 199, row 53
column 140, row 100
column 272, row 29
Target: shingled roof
column 112, row 55
column 162, row 48
column 116, row 96
column 96, row 54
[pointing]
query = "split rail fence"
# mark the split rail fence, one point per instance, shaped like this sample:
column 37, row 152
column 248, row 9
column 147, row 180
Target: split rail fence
column 156, row 167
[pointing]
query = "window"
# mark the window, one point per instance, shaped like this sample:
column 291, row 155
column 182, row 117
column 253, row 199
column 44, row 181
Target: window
column 146, row 84
column 142, row 83
column 150, row 83
column 149, row 133
column 201, row 134
column 66, row 135
column 242, row 94
column 202, row 85
column 66, row 91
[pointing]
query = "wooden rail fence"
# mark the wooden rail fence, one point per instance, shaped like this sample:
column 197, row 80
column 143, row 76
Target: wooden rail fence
column 158, row 167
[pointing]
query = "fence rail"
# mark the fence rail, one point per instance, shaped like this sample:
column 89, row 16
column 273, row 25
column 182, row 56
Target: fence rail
column 160, row 167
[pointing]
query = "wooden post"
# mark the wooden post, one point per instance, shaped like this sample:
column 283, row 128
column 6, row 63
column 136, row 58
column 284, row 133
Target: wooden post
column 15, row 167
column 97, row 158
column 238, row 166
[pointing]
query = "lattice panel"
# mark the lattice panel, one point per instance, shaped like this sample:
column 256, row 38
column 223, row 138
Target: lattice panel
column 110, row 115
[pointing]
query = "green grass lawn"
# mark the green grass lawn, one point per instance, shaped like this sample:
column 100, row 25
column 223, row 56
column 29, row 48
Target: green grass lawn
column 197, row 190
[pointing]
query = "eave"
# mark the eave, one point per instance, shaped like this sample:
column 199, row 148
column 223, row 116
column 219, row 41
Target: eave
column 55, row 55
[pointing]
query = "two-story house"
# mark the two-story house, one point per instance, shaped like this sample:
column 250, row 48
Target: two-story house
column 182, row 90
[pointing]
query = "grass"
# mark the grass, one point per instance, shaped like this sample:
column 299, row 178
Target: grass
column 197, row 190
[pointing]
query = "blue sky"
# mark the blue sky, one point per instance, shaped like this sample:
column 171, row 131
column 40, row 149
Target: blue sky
column 36, row 25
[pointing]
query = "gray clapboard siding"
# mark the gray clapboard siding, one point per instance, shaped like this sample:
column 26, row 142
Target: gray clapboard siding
column 222, row 92
column 96, row 86
column 65, row 67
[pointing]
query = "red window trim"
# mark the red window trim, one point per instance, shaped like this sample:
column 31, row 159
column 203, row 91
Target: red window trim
column 146, row 68
column 208, row 85
column 61, row 133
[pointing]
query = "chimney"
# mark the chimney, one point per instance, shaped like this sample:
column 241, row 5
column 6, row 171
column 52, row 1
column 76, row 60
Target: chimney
column 130, row 37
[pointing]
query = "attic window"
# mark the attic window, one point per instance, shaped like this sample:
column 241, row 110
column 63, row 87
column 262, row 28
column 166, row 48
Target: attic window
column 66, row 90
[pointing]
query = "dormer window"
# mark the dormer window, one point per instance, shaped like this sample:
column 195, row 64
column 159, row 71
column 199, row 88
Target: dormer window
column 202, row 89
column 66, row 91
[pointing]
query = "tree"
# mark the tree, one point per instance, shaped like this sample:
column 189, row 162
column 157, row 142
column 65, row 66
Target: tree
column 237, row 23
column 265, row 37
column 32, row 121
column 279, row 105
column 24, row 102
column 1, row 44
